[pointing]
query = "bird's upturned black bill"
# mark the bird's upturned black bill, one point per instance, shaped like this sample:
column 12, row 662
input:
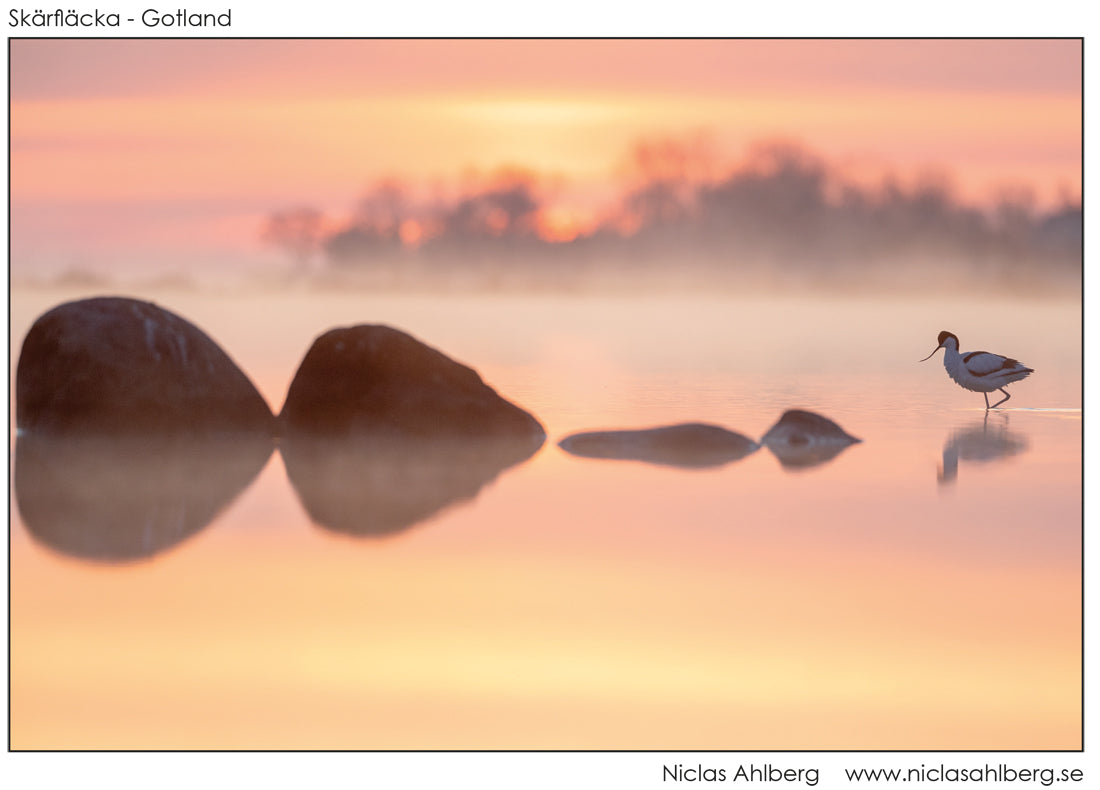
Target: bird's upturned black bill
column 937, row 348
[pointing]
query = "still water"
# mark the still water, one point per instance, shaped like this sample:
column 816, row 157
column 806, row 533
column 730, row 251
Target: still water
column 918, row 590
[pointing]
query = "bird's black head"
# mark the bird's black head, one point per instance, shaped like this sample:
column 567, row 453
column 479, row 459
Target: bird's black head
column 943, row 339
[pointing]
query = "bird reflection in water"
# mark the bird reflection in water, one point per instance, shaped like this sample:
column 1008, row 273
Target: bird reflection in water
column 378, row 485
column 121, row 499
column 979, row 443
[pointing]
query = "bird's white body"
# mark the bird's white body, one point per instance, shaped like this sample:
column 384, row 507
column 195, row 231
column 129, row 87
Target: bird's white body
column 979, row 371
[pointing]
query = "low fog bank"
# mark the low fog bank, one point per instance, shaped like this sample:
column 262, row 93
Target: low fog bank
column 649, row 274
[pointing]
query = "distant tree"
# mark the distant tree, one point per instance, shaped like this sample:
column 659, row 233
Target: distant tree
column 668, row 172
column 374, row 230
column 1060, row 233
column 381, row 211
column 298, row 231
column 505, row 207
column 673, row 159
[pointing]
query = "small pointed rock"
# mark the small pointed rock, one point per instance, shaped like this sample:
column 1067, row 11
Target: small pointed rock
column 804, row 439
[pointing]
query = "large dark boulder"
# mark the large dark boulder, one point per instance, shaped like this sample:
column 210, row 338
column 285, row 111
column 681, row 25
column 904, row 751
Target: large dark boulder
column 115, row 365
column 376, row 380
column 690, row 445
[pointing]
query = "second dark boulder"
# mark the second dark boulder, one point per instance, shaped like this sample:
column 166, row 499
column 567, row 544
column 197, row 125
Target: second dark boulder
column 376, row 379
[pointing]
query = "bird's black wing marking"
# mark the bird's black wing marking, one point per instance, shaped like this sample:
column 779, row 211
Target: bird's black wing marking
column 1006, row 364
column 1016, row 372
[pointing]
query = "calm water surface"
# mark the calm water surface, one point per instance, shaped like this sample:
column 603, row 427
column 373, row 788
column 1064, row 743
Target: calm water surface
column 920, row 590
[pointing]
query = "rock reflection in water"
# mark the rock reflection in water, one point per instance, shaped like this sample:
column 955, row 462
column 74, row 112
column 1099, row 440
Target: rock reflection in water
column 804, row 439
column 129, row 498
column 979, row 443
column 374, row 485
column 691, row 445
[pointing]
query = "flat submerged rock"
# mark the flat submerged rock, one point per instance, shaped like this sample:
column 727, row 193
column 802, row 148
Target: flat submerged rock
column 374, row 379
column 116, row 365
column 690, row 445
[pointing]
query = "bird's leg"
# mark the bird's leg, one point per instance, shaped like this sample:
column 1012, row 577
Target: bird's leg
column 986, row 396
column 1002, row 400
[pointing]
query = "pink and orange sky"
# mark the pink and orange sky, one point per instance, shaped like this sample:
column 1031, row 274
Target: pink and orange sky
column 169, row 154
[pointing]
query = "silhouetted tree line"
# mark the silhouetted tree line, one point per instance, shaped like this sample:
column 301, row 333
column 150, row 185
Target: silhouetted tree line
column 784, row 212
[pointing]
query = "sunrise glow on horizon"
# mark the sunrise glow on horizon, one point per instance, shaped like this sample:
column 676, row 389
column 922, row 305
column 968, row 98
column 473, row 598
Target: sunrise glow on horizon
column 161, row 150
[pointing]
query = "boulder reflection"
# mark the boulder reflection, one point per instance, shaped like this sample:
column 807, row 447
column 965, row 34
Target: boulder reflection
column 979, row 443
column 123, row 499
column 374, row 486
column 689, row 446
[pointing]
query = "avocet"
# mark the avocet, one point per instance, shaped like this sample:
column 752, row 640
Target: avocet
column 979, row 371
